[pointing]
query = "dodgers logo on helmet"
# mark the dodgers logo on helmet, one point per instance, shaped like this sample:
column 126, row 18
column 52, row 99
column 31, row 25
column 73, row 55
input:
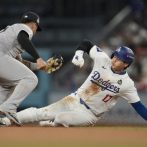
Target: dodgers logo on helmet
column 118, row 49
column 125, row 54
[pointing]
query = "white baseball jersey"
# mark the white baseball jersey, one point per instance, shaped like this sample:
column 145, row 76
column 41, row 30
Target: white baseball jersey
column 8, row 39
column 103, row 87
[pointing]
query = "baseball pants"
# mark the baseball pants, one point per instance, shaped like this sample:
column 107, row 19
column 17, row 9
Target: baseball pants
column 66, row 112
column 16, row 82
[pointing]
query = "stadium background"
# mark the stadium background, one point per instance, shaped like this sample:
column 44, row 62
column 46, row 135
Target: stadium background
column 107, row 23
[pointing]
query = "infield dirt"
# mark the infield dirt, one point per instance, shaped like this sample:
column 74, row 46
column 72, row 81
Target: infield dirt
column 34, row 136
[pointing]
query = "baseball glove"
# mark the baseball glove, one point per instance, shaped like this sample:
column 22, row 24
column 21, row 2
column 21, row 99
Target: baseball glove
column 54, row 63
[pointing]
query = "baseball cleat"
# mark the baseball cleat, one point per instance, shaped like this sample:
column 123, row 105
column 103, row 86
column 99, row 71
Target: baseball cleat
column 46, row 124
column 2, row 123
column 12, row 116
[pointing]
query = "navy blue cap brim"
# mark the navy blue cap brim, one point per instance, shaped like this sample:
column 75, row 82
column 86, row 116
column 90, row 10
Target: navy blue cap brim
column 39, row 28
column 117, row 55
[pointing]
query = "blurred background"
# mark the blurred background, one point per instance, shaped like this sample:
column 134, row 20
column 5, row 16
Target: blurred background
column 106, row 23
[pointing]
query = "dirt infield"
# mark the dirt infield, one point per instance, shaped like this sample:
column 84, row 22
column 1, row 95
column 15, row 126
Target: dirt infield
column 34, row 136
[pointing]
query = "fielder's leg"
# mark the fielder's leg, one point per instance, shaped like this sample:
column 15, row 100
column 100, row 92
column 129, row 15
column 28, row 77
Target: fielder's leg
column 5, row 93
column 13, row 73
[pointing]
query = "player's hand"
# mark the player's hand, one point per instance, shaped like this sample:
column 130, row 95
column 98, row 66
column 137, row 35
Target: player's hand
column 41, row 64
column 78, row 58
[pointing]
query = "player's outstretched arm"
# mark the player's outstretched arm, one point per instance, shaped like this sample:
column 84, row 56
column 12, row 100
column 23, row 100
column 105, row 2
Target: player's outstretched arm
column 141, row 109
column 83, row 47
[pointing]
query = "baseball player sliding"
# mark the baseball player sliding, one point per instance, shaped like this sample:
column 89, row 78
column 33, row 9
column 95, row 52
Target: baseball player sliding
column 17, row 80
column 107, row 82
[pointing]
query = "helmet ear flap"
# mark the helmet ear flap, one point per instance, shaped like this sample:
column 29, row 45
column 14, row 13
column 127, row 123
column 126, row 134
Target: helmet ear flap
column 127, row 66
column 112, row 56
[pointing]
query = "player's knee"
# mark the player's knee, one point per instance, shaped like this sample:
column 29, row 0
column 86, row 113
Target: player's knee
column 34, row 80
column 61, row 120
column 58, row 120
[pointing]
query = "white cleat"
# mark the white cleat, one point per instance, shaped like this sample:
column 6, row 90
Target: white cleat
column 46, row 123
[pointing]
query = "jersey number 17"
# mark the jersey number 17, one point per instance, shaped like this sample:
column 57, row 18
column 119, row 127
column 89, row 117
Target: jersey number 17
column 107, row 98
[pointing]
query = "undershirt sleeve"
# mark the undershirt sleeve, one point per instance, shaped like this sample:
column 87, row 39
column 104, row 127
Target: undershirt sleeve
column 141, row 109
column 27, row 45
column 85, row 46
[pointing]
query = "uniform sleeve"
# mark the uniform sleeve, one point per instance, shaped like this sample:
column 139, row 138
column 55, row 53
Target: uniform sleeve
column 23, row 27
column 141, row 109
column 95, row 52
column 130, row 93
column 27, row 45
column 98, row 55
column 85, row 46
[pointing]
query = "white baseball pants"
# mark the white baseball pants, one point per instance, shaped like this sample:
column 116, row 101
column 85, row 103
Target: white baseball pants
column 66, row 112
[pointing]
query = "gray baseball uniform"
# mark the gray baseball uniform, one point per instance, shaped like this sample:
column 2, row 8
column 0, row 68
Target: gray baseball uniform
column 16, row 80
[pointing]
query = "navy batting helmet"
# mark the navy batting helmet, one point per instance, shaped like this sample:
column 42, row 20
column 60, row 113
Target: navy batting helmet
column 124, row 53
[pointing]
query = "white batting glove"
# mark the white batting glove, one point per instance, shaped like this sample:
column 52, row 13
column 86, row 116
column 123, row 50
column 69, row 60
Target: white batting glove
column 78, row 58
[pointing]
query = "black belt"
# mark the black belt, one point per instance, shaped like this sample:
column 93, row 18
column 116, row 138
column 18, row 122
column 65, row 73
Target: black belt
column 82, row 102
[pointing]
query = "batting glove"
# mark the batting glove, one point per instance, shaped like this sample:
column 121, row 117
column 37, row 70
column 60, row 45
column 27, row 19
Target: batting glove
column 78, row 58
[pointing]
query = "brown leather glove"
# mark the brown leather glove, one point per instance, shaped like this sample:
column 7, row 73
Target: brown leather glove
column 54, row 63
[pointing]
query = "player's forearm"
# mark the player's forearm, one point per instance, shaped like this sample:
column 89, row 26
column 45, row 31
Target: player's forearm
column 85, row 46
column 32, row 66
column 19, row 58
column 141, row 109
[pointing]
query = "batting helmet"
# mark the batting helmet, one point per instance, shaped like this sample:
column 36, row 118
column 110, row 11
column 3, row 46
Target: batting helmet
column 124, row 53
